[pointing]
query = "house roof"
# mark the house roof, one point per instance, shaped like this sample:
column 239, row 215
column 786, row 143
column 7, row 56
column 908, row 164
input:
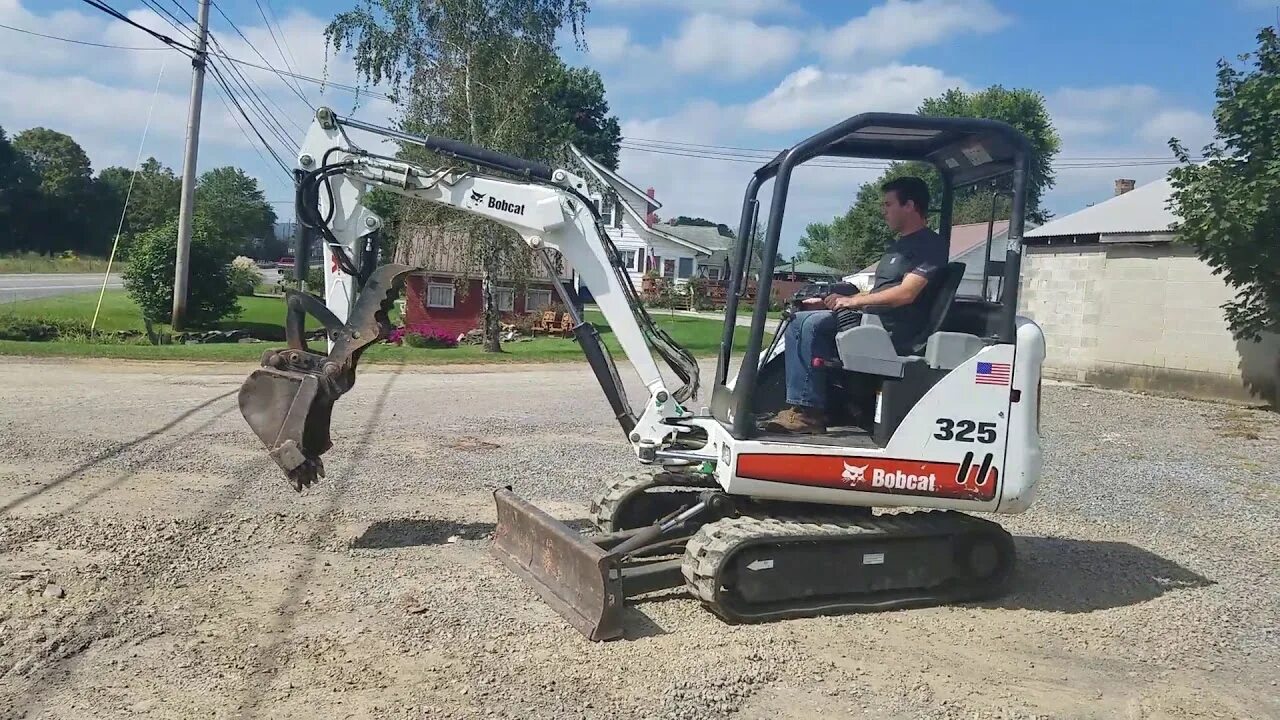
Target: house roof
column 598, row 170
column 1141, row 210
column 707, row 238
column 804, row 267
column 964, row 238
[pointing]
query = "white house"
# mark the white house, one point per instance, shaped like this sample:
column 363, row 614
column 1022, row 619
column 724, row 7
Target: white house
column 628, row 214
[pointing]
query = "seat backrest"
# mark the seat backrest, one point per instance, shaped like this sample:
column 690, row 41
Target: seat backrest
column 944, row 294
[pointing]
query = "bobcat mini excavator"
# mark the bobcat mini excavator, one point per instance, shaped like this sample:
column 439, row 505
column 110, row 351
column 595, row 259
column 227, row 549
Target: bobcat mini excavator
column 878, row 513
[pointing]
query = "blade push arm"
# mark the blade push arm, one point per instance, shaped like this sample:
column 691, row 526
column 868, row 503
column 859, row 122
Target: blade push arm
column 547, row 214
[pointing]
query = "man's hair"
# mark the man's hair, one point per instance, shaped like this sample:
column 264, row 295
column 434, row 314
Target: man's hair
column 910, row 188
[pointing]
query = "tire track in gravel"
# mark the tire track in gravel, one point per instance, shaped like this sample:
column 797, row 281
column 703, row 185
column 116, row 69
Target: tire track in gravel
column 267, row 663
column 115, row 451
column 85, row 630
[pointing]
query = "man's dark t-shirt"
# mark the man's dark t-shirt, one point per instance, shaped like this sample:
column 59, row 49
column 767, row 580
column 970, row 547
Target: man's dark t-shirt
column 923, row 252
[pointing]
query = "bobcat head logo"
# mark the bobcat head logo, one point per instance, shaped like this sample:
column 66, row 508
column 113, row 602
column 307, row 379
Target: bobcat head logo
column 854, row 474
column 477, row 198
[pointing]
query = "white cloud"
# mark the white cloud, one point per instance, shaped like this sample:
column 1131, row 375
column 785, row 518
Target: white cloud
column 737, row 48
column 897, row 26
column 609, row 44
column 1186, row 125
column 704, row 44
column 101, row 97
column 1085, row 112
column 744, row 8
column 812, row 97
column 1129, row 124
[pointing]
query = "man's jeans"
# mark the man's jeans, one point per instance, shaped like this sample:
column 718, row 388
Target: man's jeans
column 812, row 333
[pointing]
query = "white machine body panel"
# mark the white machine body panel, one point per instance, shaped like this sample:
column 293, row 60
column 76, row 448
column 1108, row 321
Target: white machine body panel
column 971, row 443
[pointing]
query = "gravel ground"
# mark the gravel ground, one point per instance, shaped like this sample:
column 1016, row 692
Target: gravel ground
column 153, row 565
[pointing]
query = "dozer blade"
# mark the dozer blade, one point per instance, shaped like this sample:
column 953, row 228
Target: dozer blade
column 571, row 574
column 288, row 402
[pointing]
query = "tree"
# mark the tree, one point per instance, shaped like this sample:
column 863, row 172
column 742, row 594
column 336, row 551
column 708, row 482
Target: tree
column 478, row 71
column 1024, row 110
column 66, row 214
column 574, row 110
column 858, row 238
column 19, row 186
column 1229, row 206
column 149, row 277
column 154, row 200
column 237, row 209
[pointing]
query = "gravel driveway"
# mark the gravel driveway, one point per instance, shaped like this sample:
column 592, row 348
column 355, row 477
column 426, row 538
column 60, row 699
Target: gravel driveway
column 154, row 565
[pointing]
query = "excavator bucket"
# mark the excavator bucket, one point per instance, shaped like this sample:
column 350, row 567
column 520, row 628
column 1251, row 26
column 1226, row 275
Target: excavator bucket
column 571, row 574
column 288, row 402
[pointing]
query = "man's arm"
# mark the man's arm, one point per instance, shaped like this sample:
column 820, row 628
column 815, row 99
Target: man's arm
column 901, row 294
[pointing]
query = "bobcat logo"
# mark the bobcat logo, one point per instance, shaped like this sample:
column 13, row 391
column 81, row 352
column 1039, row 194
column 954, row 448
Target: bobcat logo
column 477, row 198
column 854, row 474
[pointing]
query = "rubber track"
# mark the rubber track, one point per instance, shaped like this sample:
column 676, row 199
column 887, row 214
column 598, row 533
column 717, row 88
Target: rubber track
column 606, row 505
column 708, row 550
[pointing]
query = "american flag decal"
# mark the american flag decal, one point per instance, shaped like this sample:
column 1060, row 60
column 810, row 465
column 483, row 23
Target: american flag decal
column 993, row 373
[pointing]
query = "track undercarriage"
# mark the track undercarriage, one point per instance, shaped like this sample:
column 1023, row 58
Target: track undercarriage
column 746, row 560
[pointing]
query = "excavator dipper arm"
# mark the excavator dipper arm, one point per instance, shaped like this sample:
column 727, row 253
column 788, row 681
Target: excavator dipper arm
column 288, row 401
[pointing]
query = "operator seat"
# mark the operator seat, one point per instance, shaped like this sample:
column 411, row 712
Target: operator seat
column 868, row 348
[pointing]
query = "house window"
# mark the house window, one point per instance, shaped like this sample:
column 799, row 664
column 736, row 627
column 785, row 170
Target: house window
column 641, row 256
column 505, row 298
column 536, row 300
column 712, row 273
column 686, row 268
column 669, row 269
column 628, row 258
column 439, row 295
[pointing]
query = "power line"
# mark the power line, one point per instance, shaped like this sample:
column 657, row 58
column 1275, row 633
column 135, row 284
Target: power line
column 837, row 163
column 217, row 75
column 279, row 49
column 283, row 37
column 297, row 91
column 241, row 81
column 329, row 83
column 223, row 97
column 120, row 16
column 774, row 152
column 80, row 42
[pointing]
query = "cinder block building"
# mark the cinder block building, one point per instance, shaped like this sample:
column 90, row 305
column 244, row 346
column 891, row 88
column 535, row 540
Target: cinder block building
column 1123, row 304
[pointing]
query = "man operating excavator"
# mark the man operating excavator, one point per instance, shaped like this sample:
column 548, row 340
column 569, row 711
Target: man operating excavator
column 910, row 264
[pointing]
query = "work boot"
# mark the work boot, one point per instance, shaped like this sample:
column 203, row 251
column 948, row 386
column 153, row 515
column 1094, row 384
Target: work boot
column 797, row 420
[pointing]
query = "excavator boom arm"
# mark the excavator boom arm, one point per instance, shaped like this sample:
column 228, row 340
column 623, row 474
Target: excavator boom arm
column 288, row 401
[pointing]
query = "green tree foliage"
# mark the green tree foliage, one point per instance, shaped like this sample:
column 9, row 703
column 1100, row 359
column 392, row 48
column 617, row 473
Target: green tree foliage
column 149, row 277
column 478, row 71
column 154, row 200
column 68, row 211
column 19, row 187
column 1229, row 205
column 236, row 207
column 574, row 110
column 857, row 239
column 1024, row 110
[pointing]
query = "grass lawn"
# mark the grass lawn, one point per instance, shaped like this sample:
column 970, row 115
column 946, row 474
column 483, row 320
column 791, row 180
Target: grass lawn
column 36, row 263
column 701, row 337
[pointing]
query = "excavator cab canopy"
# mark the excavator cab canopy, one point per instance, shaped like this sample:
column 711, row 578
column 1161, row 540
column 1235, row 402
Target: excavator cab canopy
column 964, row 151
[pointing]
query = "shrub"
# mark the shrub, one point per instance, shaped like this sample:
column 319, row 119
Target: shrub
column 423, row 335
column 13, row 327
column 315, row 281
column 149, row 279
column 244, row 276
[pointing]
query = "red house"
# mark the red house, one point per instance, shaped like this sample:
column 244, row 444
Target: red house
column 448, row 292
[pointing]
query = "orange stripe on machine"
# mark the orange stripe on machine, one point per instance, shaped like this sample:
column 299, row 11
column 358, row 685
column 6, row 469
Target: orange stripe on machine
column 881, row 475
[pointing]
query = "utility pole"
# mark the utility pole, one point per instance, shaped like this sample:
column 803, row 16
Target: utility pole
column 185, row 210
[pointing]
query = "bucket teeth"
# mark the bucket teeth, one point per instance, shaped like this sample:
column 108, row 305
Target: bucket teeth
column 288, row 402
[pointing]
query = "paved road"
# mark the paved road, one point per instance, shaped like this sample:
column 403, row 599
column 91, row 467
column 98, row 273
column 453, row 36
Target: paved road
column 24, row 286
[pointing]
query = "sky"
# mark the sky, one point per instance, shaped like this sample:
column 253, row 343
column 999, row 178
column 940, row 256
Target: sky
column 760, row 74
